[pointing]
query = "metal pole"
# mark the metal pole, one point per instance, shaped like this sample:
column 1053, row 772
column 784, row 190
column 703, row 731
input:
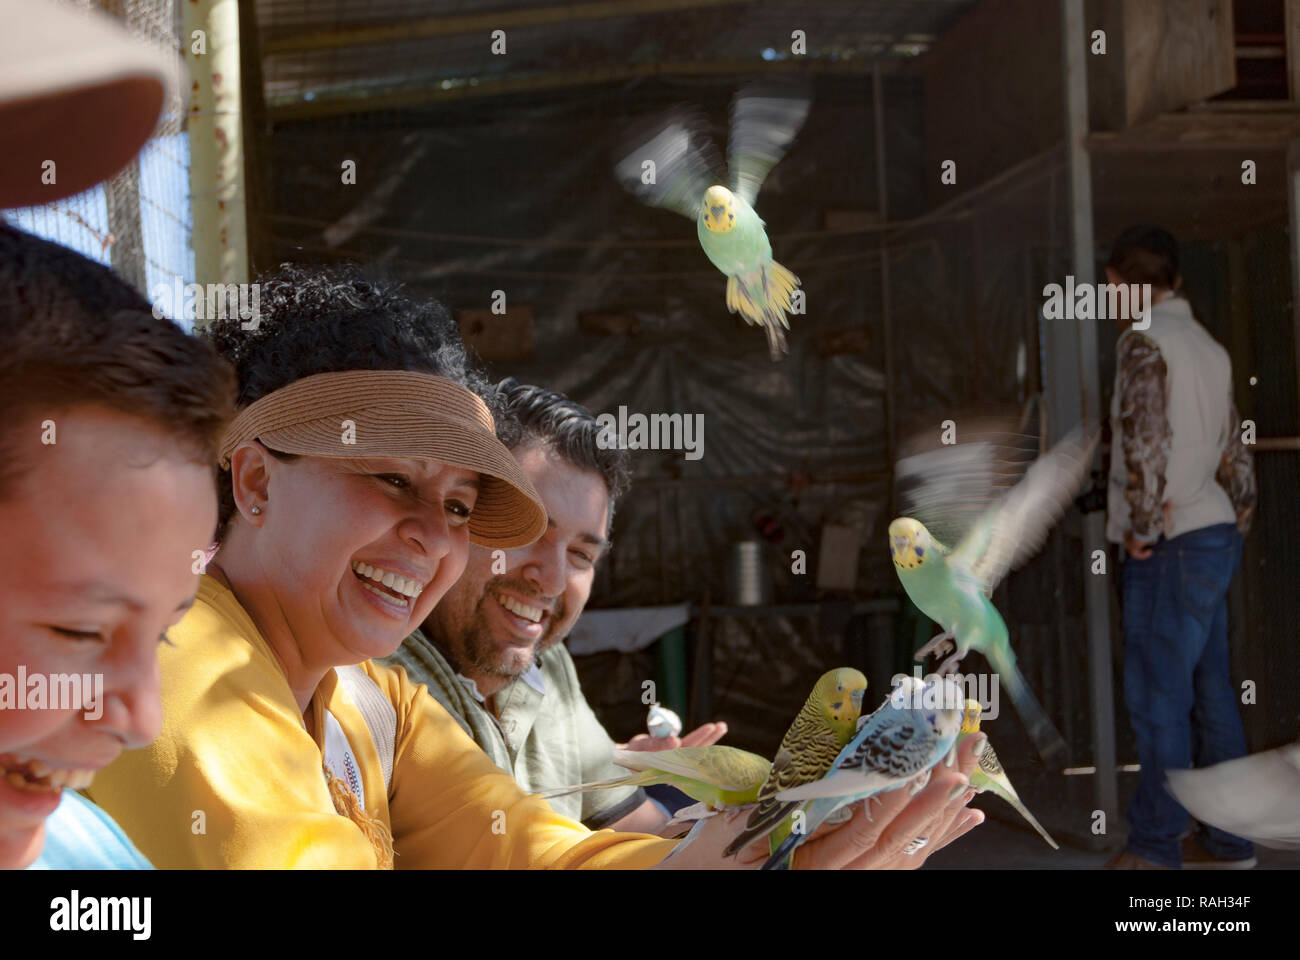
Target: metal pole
column 882, row 202
column 1293, row 205
column 1097, row 600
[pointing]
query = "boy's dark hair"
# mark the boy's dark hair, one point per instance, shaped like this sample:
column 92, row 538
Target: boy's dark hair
column 1146, row 254
column 326, row 319
column 568, row 429
column 73, row 333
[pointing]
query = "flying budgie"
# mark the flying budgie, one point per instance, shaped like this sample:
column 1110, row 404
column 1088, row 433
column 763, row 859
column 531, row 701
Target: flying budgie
column 672, row 163
column 717, row 776
column 989, row 775
column 1256, row 797
column 896, row 745
column 953, row 586
column 824, row 724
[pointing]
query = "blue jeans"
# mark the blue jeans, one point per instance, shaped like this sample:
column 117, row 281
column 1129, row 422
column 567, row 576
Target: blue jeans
column 1177, row 685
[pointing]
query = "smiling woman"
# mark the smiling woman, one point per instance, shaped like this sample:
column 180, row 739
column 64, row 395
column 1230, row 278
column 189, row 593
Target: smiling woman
column 358, row 470
column 112, row 419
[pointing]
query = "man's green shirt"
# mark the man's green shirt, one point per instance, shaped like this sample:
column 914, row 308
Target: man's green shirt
column 546, row 736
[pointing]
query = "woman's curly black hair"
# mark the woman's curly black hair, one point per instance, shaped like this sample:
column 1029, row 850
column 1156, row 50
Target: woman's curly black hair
column 326, row 319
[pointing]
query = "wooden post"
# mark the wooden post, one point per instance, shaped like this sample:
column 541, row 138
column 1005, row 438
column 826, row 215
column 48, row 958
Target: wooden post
column 216, row 137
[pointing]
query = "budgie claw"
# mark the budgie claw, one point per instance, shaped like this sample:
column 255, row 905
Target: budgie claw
column 949, row 760
column 949, row 665
column 938, row 646
column 920, row 782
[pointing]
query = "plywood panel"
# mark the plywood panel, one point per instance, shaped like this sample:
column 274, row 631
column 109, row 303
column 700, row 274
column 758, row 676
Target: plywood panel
column 1176, row 52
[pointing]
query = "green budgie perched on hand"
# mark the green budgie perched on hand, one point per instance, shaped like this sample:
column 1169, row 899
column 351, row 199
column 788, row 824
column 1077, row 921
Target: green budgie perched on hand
column 673, row 164
column 825, row 723
column 953, row 586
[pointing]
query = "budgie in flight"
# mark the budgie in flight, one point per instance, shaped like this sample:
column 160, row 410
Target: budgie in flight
column 824, row 724
column 672, row 163
column 953, row 586
column 717, row 776
column 989, row 775
column 898, row 744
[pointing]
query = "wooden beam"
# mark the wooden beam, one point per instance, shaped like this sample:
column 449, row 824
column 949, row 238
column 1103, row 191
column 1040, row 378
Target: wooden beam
column 1293, row 48
column 485, row 23
column 476, row 88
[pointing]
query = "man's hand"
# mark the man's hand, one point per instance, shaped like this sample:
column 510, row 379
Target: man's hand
column 1136, row 548
column 705, row 736
column 938, row 814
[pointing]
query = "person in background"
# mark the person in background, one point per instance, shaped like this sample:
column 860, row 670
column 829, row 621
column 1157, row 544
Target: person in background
column 492, row 652
column 107, row 489
column 1181, row 496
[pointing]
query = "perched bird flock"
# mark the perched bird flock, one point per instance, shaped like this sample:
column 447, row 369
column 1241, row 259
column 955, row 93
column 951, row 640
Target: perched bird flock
column 830, row 758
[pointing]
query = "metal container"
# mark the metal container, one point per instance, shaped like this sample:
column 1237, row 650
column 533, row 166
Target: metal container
column 749, row 585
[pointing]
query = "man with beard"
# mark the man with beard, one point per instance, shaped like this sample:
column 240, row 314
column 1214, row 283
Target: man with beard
column 491, row 651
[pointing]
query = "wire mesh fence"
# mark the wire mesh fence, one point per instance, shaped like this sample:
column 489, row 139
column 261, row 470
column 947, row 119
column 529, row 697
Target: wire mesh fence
column 139, row 222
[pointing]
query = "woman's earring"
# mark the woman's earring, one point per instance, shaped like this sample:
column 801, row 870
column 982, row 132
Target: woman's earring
column 256, row 510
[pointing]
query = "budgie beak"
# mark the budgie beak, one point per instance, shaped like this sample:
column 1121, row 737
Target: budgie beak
column 856, row 696
column 901, row 544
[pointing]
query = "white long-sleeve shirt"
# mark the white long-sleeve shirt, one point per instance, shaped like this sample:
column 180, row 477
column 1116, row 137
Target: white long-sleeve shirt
column 1177, row 437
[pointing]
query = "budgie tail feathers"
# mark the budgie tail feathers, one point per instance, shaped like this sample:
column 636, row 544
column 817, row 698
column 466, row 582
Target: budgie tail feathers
column 762, row 821
column 782, row 859
column 1039, row 726
column 594, row 785
column 763, row 298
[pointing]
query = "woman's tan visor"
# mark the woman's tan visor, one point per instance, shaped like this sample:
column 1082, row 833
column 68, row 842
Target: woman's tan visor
column 399, row 413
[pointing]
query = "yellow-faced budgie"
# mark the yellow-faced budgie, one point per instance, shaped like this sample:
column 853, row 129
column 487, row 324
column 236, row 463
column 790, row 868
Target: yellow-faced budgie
column 823, row 725
column 720, row 777
column 953, row 587
column 989, row 775
column 896, row 745
column 671, row 162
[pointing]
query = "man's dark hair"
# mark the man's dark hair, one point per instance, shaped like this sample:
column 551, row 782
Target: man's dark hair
column 73, row 333
column 1146, row 254
column 327, row 319
column 567, row 429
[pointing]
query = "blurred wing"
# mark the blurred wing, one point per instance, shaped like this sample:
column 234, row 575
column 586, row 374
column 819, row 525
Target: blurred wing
column 686, row 161
column 1013, row 530
column 764, row 121
column 1256, row 797
column 949, row 487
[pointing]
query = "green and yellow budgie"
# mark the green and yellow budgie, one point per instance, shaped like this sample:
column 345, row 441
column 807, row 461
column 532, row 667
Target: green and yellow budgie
column 672, row 163
column 989, row 775
column 825, row 723
column 720, row 777
column 953, row 587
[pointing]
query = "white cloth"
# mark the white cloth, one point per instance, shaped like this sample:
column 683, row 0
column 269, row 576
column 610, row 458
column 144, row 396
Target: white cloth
column 340, row 760
column 1198, row 387
column 627, row 629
